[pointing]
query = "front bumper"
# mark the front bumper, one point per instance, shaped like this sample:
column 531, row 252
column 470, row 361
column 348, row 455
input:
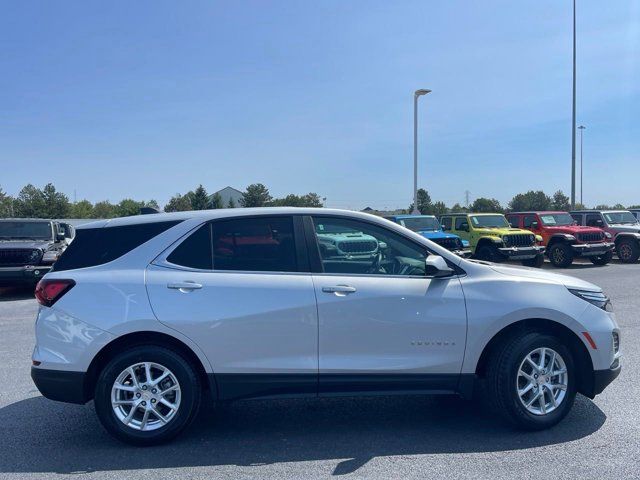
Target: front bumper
column 601, row 379
column 591, row 249
column 60, row 385
column 521, row 253
column 10, row 276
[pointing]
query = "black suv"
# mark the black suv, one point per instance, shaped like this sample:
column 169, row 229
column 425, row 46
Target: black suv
column 28, row 248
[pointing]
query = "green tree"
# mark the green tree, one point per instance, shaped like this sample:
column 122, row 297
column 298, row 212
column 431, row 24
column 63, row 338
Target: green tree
column 312, row 200
column 178, row 203
column 56, row 204
column 634, row 206
column 580, row 206
column 216, row 201
column 199, row 198
column 619, row 206
column 424, row 202
column 291, row 200
column 560, row 201
column 256, row 195
column 104, row 209
column 602, row 206
column 486, row 205
column 6, row 205
column 152, row 204
column 128, row 207
column 81, row 209
column 530, row 201
column 232, row 203
column 30, row 203
column 439, row 208
column 457, row 208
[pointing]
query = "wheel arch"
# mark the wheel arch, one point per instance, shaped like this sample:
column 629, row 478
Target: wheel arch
column 557, row 238
column 584, row 364
column 144, row 338
column 483, row 241
column 626, row 236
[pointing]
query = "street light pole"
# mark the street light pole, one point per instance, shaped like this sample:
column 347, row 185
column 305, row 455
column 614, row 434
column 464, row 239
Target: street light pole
column 573, row 118
column 581, row 128
column 416, row 94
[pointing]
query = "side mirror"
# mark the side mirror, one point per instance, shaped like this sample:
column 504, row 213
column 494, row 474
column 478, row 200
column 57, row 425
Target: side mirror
column 436, row 267
column 60, row 237
column 444, row 227
column 534, row 225
column 464, row 226
column 599, row 223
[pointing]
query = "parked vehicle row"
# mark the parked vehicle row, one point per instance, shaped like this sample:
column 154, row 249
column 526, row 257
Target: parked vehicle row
column 143, row 314
column 29, row 247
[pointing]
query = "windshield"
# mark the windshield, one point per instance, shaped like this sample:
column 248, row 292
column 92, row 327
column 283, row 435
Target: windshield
column 620, row 217
column 557, row 219
column 418, row 224
column 489, row 221
column 25, row 230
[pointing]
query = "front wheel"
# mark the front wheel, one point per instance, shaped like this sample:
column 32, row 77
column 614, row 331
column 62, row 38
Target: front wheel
column 628, row 251
column 488, row 253
column 560, row 255
column 147, row 395
column 602, row 259
column 536, row 261
column 531, row 380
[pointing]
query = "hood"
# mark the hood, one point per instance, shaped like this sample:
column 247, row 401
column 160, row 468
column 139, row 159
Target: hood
column 538, row 274
column 501, row 231
column 41, row 244
column 432, row 235
column 571, row 229
column 625, row 228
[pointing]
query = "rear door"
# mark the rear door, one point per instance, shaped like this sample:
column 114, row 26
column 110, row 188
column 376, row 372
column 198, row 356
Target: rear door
column 384, row 326
column 241, row 290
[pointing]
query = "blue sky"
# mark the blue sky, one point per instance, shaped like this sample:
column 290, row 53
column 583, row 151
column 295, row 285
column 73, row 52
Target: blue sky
column 147, row 99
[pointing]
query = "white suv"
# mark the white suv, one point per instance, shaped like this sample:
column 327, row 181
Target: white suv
column 144, row 314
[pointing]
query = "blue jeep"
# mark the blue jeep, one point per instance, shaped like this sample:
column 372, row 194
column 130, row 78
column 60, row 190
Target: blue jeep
column 429, row 227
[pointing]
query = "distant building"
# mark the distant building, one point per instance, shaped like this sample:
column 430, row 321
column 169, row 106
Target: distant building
column 229, row 193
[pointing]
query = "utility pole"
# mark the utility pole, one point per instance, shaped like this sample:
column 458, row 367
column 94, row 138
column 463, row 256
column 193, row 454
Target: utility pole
column 416, row 94
column 467, row 193
column 581, row 128
column 573, row 118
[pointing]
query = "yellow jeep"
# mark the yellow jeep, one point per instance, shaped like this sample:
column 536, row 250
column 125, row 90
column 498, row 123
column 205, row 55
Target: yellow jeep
column 491, row 238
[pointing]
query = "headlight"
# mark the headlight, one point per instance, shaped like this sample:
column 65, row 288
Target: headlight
column 599, row 299
column 607, row 235
column 537, row 238
column 570, row 237
column 496, row 239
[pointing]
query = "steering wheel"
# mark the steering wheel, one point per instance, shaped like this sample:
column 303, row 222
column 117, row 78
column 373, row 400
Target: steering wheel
column 376, row 263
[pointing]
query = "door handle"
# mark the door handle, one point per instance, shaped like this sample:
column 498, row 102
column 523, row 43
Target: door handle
column 340, row 290
column 184, row 286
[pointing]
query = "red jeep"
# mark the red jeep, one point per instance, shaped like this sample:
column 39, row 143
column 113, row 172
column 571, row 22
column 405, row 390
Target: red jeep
column 564, row 239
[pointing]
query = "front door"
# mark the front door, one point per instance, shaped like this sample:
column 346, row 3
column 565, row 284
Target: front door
column 383, row 325
column 236, row 288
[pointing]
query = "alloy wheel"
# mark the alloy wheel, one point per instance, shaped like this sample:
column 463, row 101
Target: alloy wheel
column 146, row 396
column 542, row 381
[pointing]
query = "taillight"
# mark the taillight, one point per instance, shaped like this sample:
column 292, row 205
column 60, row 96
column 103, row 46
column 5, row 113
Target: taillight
column 49, row 291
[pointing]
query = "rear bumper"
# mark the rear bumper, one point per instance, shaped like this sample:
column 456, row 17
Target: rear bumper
column 60, row 385
column 591, row 249
column 521, row 253
column 10, row 276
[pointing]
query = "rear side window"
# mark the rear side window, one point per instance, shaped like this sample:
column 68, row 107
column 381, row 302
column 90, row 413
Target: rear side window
column 96, row 246
column 195, row 251
column 264, row 244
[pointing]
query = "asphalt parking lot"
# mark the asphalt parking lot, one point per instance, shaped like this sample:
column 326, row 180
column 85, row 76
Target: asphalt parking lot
column 381, row 437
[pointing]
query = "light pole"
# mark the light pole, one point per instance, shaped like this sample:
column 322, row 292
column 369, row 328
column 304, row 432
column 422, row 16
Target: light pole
column 581, row 128
column 573, row 118
column 416, row 94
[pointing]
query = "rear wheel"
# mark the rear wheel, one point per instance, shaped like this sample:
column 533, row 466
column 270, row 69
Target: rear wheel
column 531, row 380
column 536, row 261
column 147, row 395
column 488, row 253
column 560, row 255
column 602, row 259
column 628, row 250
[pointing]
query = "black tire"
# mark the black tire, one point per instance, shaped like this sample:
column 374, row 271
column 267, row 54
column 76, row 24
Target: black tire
column 501, row 382
column 488, row 253
column 560, row 255
column 628, row 250
column 602, row 259
column 536, row 261
column 190, row 390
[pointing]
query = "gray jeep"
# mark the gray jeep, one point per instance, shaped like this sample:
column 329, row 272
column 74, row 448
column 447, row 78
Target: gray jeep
column 29, row 247
column 621, row 225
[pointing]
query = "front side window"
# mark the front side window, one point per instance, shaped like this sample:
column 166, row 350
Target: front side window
column 264, row 244
column 514, row 221
column 593, row 220
column 461, row 222
column 352, row 247
column 528, row 221
column 446, row 223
